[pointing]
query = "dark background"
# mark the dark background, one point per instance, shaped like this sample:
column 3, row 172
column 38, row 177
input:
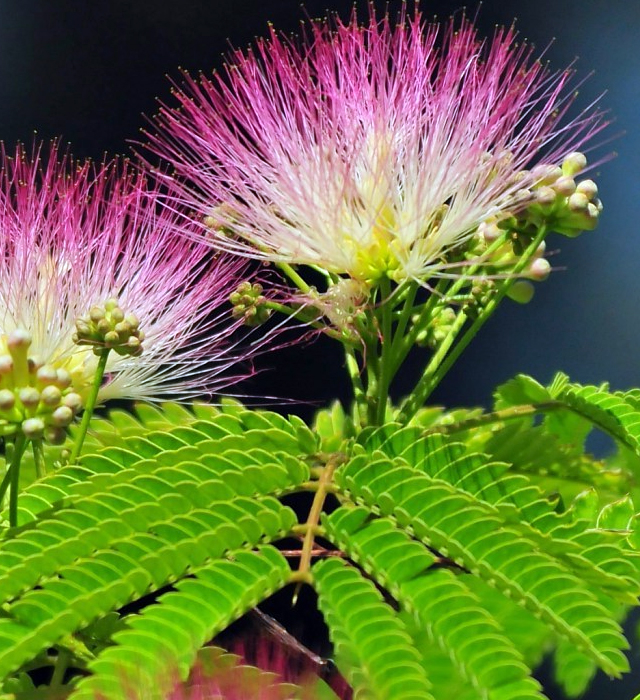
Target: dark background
column 87, row 71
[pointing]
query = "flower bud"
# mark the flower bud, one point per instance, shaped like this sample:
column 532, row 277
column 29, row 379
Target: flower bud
column 578, row 202
column 33, row 428
column 588, row 188
column 51, row 395
column 565, row 186
column 7, row 400
column 61, row 417
column 29, row 397
column 18, row 339
column 539, row 269
column 55, row 436
column 573, row 164
column 521, row 291
column 73, row 401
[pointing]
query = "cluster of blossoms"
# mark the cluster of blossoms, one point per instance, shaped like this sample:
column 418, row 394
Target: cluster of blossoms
column 34, row 397
column 375, row 151
column 93, row 262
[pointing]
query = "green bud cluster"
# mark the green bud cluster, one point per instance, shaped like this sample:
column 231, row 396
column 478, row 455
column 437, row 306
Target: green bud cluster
column 35, row 398
column 557, row 201
column 108, row 327
column 249, row 304
column 438, row 328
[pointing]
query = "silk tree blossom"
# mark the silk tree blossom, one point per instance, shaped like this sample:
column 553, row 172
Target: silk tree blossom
column 76, row 238
column 368, row 150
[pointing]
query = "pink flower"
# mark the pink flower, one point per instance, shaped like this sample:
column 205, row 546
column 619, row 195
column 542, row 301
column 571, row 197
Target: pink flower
column 75, row 235
column 368, row 150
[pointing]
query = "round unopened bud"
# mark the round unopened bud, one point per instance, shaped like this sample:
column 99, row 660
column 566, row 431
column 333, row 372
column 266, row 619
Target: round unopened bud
column 7, row 400
column 546, row 174
column 489, row 231
column 73, row 401
column 578, row 202
column 539, row 269
column 29, row 397
column 103, row 326
column 51, row 395
column 6, row 364
column 62, row 417
column 521, row 291
column 111, row 304
column 573, row 164
column 545, row 196
column 132, row 320
column 117, row 315
column 588, row 188
column 47, row 375
column 63, row 379
column 111, row 338
column 33, row 428
column 540, row 250
column 55, row 436
column 594, row 209
column 83, row 327
column 96, row 314
column 18, row 339
column 565, row 186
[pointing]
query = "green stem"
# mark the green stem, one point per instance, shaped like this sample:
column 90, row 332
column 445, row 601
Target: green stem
column 38, row 457
column 90, row 406
column 62, row 663
column 386, row 369
column 353, row 371
column 14, row 470
column 294, row 277
column 501, row 416
column 440, row 365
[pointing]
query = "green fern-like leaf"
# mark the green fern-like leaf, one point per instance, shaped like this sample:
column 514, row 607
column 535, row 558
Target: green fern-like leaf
column 371, row 642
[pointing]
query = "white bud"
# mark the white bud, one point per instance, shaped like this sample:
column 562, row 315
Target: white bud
column 578, row 202
column 63, row 379
column 588, row 188
column 7, row 400
column 565, row 186
column 545, row 196
column 73, row 401
column 29, row 396
column 51, row 395
column 573, row 164
column 546, row 174
column 33, row 428
column 18, row 339
column 539, row 269
column 62, row 417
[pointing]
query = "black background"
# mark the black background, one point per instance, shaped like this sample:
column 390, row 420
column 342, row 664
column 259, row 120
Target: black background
column 88, row 70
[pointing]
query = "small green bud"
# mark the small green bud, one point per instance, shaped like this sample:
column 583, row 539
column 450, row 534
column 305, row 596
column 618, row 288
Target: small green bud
column 521, row 291
column 96, row 314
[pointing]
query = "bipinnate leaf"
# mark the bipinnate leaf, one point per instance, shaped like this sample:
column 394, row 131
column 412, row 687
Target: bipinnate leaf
column 438, row 598
column 160, row 646
column 477, row 537
column 372, row 646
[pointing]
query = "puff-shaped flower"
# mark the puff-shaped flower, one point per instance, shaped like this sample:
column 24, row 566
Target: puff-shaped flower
column 367, row 150
column 88, row 246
